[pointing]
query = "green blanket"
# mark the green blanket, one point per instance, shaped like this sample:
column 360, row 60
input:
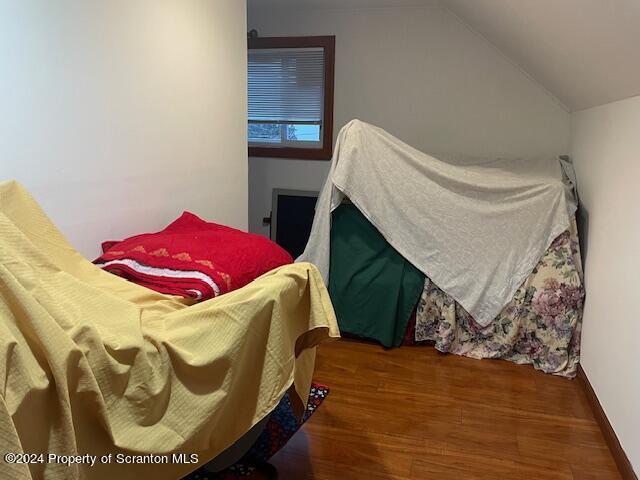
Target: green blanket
column 373, row 288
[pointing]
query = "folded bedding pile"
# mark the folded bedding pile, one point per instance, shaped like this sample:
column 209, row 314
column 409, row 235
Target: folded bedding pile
column 93, row 365
column 193, row 258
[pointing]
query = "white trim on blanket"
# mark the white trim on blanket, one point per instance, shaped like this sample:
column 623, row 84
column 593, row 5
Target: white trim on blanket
column 164, row 272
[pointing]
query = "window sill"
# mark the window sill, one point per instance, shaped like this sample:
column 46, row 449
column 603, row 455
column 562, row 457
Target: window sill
column 292, row 152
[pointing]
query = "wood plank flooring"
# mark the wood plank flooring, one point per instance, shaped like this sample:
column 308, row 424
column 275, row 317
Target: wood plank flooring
column 413, row 413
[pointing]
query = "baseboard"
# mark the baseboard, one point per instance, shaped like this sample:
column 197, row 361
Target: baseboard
column 623, row 463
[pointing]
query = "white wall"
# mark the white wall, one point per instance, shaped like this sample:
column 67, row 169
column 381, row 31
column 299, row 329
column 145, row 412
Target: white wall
column 605, row 144
column 424, row 76
column 120, row 114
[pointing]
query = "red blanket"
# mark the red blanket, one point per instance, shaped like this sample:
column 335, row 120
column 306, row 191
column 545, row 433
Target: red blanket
column 192, row 258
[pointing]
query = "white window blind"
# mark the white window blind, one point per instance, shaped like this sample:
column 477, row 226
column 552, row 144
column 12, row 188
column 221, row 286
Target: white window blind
column 286, row 86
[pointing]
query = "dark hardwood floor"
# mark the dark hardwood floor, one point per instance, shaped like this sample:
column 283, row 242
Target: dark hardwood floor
column 413, row 413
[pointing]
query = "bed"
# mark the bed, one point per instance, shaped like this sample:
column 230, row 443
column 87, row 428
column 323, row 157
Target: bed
column 93, row 365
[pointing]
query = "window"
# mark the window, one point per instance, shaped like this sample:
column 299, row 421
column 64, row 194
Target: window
column 291, row 97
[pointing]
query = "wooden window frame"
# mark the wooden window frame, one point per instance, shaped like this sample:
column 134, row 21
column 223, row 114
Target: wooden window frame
column 328, row 43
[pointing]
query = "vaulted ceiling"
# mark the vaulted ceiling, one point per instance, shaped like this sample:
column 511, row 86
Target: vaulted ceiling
column 584, row 52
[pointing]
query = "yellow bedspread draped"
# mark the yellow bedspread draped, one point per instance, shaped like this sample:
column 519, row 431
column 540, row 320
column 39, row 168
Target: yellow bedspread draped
column 91, row 364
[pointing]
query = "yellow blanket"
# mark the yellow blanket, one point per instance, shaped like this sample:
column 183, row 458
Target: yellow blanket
column 92, row 365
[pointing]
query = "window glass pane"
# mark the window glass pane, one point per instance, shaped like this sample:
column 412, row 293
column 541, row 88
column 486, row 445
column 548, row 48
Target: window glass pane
column 265, row 133
column 303, row 133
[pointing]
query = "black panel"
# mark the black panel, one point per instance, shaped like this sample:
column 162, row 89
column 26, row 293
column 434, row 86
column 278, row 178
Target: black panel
column 295, row 216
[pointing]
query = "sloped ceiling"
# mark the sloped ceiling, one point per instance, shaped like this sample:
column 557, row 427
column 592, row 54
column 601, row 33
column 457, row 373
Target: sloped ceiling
column 584, row 52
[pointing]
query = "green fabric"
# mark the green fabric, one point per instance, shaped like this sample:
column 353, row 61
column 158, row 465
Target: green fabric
column 373, row 288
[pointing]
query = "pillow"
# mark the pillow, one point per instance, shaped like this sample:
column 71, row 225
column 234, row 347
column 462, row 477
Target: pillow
column 192, row 258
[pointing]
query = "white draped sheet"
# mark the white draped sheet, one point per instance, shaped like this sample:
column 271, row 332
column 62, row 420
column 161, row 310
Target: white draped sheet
column 477, row 231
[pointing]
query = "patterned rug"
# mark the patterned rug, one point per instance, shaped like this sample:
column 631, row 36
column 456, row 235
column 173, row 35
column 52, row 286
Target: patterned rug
column 281, row 426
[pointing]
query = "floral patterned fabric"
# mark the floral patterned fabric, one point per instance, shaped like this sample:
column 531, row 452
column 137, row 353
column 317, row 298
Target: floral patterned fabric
column 541, row 325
